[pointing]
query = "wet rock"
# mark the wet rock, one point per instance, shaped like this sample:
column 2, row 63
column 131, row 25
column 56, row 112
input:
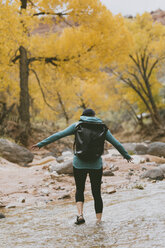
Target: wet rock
column 11, row 206
column 155, row 174
column 2, row 216
column 64, row 196
column 157, row 149
column 108, row 173
column 110, row 191
column 63, row 168
column 15, row 153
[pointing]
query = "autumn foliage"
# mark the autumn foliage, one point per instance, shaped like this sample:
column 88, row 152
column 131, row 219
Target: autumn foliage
column 59, row 57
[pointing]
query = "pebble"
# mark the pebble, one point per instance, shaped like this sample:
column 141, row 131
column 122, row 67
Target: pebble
column 2, row 216
column 11, row 206
column 111, row 191
column 64, row 196
column 45, row 191
column 108, row 173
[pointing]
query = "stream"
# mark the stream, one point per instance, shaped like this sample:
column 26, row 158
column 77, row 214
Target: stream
column 132, row 219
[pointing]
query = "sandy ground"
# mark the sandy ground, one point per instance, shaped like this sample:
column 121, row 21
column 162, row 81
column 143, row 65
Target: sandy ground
column 20, row 186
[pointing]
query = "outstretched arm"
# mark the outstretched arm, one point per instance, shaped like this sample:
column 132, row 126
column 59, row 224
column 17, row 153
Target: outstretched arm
column 66, row 132
column 118, row 146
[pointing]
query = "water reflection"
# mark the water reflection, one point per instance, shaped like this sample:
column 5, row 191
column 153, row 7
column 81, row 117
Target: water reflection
column 132, row 219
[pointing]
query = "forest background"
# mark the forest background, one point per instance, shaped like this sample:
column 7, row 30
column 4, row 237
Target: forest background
column 59, row 57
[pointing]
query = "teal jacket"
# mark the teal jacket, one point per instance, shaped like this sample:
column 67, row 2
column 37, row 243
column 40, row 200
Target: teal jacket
column 77, row 163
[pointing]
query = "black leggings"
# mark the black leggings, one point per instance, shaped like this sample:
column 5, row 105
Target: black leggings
column 95, row 179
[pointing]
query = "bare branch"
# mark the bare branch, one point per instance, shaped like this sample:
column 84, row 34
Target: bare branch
column 50, row 13
column 43, row 94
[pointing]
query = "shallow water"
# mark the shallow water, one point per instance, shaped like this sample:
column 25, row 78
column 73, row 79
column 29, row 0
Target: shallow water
column 132, row 219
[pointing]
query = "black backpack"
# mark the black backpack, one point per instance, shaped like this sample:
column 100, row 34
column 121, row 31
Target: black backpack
column 89, row 140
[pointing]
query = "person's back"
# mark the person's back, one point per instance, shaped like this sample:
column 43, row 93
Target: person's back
column 89, row 140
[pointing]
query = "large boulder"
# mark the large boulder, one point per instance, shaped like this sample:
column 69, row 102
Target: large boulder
column 154, row 174
column 157, row 149
column 130, row 147
column 15, row 153
column 141, row 148
column 162, row 167
column 62, row 168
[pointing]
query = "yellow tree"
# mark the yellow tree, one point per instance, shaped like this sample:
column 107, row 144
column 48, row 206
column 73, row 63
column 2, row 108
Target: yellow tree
column 11, row 33
column 80, row 49
column 85, row 45
column 139, row 71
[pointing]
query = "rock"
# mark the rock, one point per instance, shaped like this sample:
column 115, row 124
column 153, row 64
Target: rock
column 11, row 206
column 45, row 191
column 113, row 167
column 150, row 164
column 63, row 168
column 15, row 153
column 139, row 186
column 54, row 175
column 155, row 174
column 157, row 160
column 111, row 191
column 157, row 149
column 108, row 173
column 162, row 167
column 2, row 216
column 60, row 159
column 54, row 167
column 141, row 149
column 137, row 159
column 64, row 196
column 45, row 167
column 2, row 205
column 67, row 153
column 130, row 147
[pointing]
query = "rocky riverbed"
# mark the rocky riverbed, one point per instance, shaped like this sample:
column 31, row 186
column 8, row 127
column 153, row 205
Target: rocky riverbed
column 37, row 206
column 49, row 179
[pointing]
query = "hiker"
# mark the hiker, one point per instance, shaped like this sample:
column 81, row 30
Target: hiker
column 90, row 133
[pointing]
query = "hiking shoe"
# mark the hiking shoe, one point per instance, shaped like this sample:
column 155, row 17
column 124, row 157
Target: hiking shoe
column 80, row 220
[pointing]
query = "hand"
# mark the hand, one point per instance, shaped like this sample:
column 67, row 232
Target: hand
column 35, row 147
column 129, row 160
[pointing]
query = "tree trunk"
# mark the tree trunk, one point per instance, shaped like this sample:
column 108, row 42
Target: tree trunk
column 63, row 107
column 156, row 116
column 24, row 97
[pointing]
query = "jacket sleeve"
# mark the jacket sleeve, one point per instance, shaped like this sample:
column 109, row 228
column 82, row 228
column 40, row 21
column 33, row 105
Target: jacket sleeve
column 117, row 145
column 66, row 132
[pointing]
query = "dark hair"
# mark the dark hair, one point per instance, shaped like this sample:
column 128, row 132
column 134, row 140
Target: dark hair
column 88, row 112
